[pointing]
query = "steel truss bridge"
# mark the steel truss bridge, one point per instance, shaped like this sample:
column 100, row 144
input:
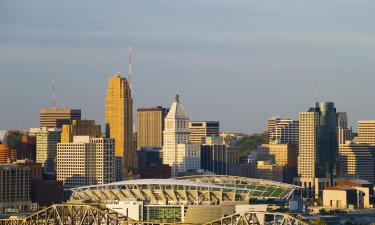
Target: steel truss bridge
column 67, row 214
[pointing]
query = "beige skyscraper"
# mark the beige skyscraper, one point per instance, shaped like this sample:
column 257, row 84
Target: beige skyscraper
column 150, row 127
column 366, row 132
column 308, row 121
column 86, row 161
column 119, row 120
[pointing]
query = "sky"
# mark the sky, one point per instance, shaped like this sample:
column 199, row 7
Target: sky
column 239, row 62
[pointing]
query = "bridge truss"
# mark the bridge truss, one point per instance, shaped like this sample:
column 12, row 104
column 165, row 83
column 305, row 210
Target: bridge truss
column 67, row 214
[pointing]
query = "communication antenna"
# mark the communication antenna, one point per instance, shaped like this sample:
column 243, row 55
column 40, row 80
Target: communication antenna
column 316, row 91
column 53, row 84
column 130, row 72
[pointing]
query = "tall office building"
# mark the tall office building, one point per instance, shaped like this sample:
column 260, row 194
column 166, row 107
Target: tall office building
column 178, row 152
column 46, row 147
column 202, row 129
column 14, row 188
column 53, row 117
column 86, row 161
column 150, row 127
column 283, row 131
column 344, row 132
column 119, row 120
column 366, row 132
column 79, row 128
column 318, row 148
column 214, row 156
column 357, row 160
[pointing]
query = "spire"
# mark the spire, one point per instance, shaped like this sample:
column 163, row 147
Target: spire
column 177, row 98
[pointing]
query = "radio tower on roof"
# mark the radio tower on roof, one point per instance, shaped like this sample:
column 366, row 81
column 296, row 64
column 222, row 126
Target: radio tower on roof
column 130, row 72
column 53, row 84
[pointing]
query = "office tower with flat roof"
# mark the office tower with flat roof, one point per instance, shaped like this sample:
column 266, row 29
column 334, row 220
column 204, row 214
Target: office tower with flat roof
column 46, row 147
column 202, row 129
column 283, row 131
column 14, row 188
column 86, row 161
column 119, row 121
column 54, row 117
column 214, row 156
column 150, row 127
column 344, row 132
column 178, row 152
column 79, row 128
column 357, row 161
column 366, row 132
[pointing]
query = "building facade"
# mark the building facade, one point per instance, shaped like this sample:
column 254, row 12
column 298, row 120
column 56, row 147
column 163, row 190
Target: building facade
column 283, row 131
column 119, row 121
column 14, row 188
column 150, row 127
column 214, row 156
column 178, row 152
column 80, row 128
column 86, row 161
column 55, row 118
column 366, row 132
column 202, row 129
column 344, row 132
column 318, row 148
column 46, row 147
column 357, row 160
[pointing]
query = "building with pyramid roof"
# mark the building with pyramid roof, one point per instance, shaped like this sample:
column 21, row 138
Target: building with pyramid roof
column 178, row 152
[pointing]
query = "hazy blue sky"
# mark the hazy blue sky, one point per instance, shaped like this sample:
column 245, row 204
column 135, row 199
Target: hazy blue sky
column 238, row 62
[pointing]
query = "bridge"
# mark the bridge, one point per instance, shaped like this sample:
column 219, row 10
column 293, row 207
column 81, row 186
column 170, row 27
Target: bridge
column 84, row 214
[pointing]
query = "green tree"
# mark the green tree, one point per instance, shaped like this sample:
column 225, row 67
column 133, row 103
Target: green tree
column 251, row 142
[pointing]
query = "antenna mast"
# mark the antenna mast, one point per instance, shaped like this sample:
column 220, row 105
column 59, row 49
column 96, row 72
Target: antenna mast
column 130, row 72
column 316, row 91
column 53, row 84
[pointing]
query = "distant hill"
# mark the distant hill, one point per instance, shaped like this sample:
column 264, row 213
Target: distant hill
column 251, row 142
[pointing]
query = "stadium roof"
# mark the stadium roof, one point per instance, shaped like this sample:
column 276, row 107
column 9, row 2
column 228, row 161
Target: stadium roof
column 185, row 190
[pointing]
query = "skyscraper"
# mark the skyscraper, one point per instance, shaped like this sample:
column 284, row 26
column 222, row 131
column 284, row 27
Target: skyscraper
column 53, row 117
column 178, row 152
column 86, row 161
column 150, row 127
column 318, row 148
column 201, row 129
column 119, row 120
column 283, row 131
column 46, row 147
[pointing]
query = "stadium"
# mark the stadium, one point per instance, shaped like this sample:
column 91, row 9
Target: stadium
column 182, row 199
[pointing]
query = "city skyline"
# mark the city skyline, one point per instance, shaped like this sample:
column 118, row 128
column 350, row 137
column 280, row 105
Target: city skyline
column 257, row 63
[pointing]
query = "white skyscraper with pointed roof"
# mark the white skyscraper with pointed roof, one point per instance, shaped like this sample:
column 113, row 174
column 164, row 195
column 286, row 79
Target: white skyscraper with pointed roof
column 181, row 155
